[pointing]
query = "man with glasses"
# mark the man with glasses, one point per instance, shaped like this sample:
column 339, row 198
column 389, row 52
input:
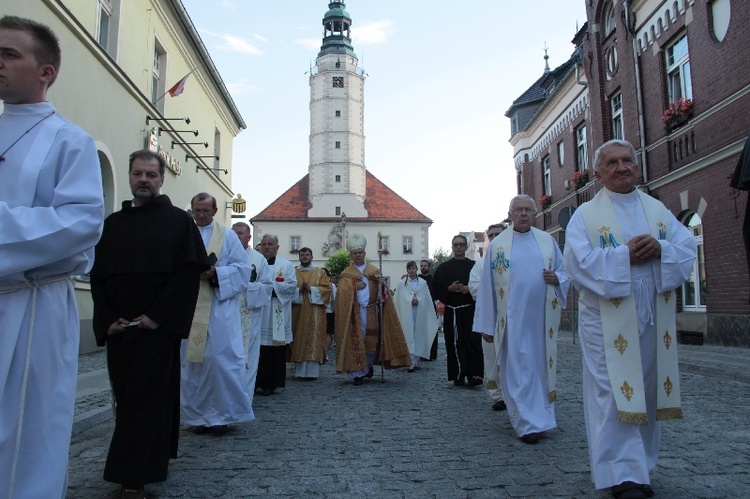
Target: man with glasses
column 626, row 253
column 521, row 293
column 451, row 286
column 491, row 373
column 214, row 391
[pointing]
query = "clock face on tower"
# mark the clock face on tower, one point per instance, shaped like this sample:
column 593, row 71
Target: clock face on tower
column 338, row 82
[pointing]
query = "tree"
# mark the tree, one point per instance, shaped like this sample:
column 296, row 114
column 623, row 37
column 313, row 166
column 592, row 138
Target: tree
column 439, row 256
column 337, row 262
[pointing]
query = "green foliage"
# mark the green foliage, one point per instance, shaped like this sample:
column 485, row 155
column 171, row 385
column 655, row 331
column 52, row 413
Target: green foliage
column 438, row 257
column 337, row 262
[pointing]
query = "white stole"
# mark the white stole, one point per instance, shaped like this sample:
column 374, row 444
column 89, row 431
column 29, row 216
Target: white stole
column 500, row 260
column 199, row 328
column 620, row 321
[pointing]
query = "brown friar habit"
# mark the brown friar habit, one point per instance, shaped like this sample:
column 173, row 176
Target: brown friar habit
column 350, row 347
column 148, row 261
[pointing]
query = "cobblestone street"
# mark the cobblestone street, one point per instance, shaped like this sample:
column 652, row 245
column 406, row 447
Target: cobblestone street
column 416, row 435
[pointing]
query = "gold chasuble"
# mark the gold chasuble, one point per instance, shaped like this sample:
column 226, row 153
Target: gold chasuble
column 350, row 347
column 309, row 319
column 501, row 260
column 620, row 321
column 199, row 329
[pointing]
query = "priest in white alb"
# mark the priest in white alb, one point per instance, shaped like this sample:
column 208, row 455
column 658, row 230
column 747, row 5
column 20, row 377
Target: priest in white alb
column 520, row 297
column 51, row 214
column 626, row 253
column 214, row 390
column 252, row 302
column 276, row 322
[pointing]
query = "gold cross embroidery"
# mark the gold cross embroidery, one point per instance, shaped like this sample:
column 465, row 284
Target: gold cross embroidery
column 616, row 302
column 554, row 303
column 627, row 390
column 621, row 344
column 667, row 339
column 501, row 293
column 502, row 323
column 667, row 296
column 551, row 332
column 550, row 362
column 668, row 386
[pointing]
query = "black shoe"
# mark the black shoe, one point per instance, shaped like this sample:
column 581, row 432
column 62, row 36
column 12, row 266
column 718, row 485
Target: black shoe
column 530, row 438
column 370, row 372
column 221, row 429
column 629, row 490
column 458, row 382
column 647, row 490
column 475, row 381
column 267, row 391
column 202, row 430
column 499, row 405
column 358, row 381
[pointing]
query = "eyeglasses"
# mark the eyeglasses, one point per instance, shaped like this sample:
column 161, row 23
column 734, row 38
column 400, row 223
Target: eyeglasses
column 523, row 210
column 459, row 245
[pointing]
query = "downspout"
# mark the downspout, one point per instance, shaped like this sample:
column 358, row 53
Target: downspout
column 638, row 93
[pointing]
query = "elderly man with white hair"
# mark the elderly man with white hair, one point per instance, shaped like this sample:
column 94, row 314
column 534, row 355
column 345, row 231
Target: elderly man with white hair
column 626, row 253
column 521, row 293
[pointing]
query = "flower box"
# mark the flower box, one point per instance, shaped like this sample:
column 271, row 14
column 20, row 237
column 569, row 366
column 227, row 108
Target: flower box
column 545, row 201
column 580, row 179
column 677, row 114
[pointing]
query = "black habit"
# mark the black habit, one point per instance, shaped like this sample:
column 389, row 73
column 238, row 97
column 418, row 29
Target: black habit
column 463, row 347
column 148, row 261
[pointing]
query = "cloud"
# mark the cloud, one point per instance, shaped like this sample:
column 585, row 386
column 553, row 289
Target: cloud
column 227, row 4
column 260, row 38
column 234, row 44
column 373, row 33
column 309, row 43
column 241, row 88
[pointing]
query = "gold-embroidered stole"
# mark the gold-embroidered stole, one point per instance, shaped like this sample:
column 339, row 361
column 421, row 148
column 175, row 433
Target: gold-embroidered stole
column 620, row 321
column 199, row 329
column 501, row 260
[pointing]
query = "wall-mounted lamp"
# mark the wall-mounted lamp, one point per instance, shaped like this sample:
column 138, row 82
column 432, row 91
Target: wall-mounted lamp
column 187, row 157
column 204, row 144
column 149, row 119
column 194, row 132
column 199, row 168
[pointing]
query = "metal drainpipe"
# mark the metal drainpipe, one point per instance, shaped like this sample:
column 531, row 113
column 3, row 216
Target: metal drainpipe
column 639, row 95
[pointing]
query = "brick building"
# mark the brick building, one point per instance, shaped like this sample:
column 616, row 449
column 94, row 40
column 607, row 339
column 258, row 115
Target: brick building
column 639, row 57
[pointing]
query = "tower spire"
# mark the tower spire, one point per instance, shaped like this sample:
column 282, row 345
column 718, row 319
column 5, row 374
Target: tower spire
column 337, row 30
column 546, row 60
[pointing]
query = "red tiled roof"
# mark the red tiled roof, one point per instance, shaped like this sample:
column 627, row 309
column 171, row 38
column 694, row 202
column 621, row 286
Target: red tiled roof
column 381, row 203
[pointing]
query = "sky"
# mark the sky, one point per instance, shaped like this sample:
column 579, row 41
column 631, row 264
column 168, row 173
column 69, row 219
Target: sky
column 441, row 75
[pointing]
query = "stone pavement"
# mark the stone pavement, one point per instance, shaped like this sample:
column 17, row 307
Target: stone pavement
column 416, row 435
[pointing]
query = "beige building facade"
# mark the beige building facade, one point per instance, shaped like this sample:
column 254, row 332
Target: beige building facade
column 119, row 59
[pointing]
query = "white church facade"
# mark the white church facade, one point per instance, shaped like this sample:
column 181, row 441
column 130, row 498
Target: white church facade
column 339, row 194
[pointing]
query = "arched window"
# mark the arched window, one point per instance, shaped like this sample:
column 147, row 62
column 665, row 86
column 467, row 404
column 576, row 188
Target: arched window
column 608, row 19
column 694, row 290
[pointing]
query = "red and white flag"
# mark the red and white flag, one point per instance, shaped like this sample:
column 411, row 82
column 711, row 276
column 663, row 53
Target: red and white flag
column 179, row 87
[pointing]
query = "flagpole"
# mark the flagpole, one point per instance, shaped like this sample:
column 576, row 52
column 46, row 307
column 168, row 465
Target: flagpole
column 178, row 82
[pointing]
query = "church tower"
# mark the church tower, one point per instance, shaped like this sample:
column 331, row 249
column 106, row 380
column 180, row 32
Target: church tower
column 337, row 139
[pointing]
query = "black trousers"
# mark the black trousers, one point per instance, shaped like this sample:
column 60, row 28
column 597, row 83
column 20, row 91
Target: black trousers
column 271, row 367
